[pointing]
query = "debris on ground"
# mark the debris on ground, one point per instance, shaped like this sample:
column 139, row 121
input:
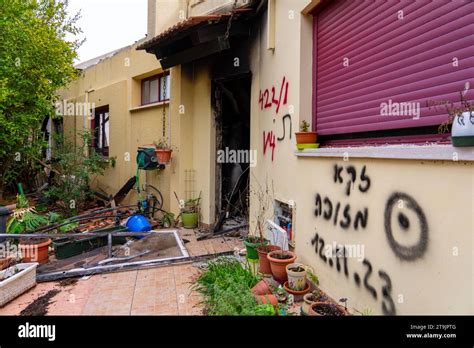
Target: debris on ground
column 39, row 307
column 68, row 282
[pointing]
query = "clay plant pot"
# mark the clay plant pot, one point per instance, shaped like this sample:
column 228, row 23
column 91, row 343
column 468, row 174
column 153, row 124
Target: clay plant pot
column 306, row 137
column 35, row 252
column 190, row 220
column 251, row 247
column 163, row 155
column 267, row 299
column 327, row 309
column 278, row 262
column 296, row 292
column 5, row 262
column 261, row 288
column 297, row 275
column 263, row 251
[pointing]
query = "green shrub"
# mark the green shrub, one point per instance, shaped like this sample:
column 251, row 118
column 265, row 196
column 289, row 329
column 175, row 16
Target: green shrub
column 76, row 166
column 226, row 285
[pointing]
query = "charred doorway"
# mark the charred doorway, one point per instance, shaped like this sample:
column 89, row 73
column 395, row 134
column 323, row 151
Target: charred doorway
column 231, row 100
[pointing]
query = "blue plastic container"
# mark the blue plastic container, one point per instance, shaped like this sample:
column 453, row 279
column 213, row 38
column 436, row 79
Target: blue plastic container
column 138, row 223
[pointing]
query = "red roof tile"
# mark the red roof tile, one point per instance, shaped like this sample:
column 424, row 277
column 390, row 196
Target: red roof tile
column 186, row 24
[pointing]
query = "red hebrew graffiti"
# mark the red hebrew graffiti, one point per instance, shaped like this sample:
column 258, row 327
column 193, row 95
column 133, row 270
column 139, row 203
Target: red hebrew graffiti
column 277, row 98
column 269, row 140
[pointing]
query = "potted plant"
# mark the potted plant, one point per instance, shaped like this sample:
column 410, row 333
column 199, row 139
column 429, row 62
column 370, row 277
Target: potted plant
column 461, row 120
column 311, row 298
column 297, row 276
column 15, row 280
column 255, row 240
column 163, row 151
column 327, row 309
column 263, row 251
column 190, row 212
column 304, row 136
column 25, row 219
column 279, row 259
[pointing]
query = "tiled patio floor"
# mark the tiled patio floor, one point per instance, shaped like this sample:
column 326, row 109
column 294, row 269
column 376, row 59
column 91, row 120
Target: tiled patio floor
column 154, row 291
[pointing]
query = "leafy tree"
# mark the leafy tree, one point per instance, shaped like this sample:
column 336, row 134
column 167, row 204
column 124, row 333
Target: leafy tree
column 36, row 60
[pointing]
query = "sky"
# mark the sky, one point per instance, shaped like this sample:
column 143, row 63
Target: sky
column 108, row 24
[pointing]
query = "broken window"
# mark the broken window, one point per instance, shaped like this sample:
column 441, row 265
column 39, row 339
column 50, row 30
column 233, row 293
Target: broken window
column 100, row 129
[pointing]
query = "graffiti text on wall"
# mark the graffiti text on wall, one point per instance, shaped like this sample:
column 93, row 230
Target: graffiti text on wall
column 269, row 141
column 275, row 98
column 340, row 214
column 405, row 226
column 339, row 262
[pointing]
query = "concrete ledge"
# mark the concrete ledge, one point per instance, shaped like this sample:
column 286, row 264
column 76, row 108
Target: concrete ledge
column 407, row 152
column 148, row 106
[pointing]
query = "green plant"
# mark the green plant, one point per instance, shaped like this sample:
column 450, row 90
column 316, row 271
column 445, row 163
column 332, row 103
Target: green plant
column 162, row 144
column 226, row 288
column 304, row 126
column 191, row 206
column 312, row 277
column 167, row 220
column 26, row 219
column 76, row 166
column 36, row 59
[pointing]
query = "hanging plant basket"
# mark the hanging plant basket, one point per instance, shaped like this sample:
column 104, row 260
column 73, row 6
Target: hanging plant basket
column 163, row 155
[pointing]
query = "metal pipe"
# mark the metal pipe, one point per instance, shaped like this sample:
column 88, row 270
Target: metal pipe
column 79, row 272
column 74, row 235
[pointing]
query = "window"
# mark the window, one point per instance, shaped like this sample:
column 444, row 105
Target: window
column 380, row 66
column 100, row 131
column 156, row 89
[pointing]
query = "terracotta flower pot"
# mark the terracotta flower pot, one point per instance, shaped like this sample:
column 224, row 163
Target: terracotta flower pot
column 261, row 288
column 267, row 299
column 341, row 311
column 163, row 155
column 262, row 256
column 306, row 137
column 35, row 252
column 278, row 264
column 296, row 292
column 5, row 262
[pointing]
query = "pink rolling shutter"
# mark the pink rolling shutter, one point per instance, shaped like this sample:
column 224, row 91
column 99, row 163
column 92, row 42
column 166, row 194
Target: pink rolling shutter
column 405, row 60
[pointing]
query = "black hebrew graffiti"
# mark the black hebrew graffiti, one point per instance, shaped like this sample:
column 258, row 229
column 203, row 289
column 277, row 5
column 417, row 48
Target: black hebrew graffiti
column 349, row 176
column 402, row 224
column 339, row 214
column 337, row 256
column 287, row 116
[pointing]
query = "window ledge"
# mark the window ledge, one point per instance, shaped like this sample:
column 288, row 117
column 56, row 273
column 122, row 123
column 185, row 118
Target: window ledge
column 148, row 106
column 409, row 152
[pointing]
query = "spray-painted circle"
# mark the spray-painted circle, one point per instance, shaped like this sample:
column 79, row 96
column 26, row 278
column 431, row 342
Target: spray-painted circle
column 411, row 252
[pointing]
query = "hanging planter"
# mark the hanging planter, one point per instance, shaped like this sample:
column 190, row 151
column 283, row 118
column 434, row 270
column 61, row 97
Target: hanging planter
column 163, row 151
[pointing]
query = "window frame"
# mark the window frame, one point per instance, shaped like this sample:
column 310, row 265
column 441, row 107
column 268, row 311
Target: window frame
column 159, row 78
column 104, row 151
